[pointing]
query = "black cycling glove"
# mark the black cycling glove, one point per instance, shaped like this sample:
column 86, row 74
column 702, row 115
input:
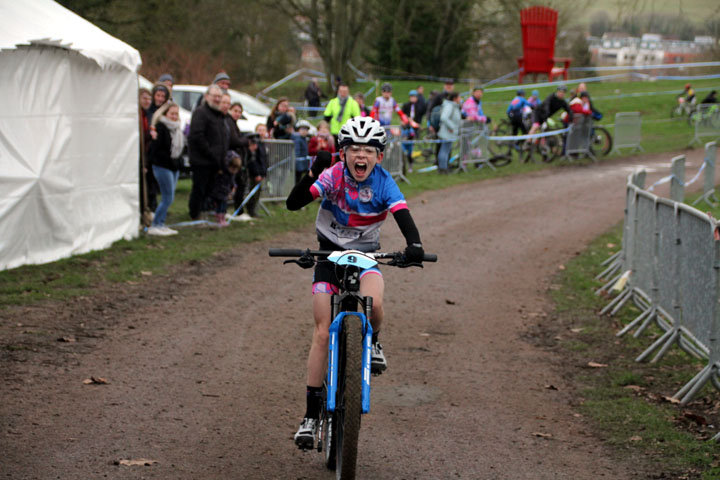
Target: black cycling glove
column 414, row 253
column 322, row 161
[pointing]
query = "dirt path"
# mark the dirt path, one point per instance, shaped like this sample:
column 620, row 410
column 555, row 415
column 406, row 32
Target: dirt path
column 206, row 367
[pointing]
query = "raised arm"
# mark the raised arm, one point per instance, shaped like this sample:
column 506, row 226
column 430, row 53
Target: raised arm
column 303, row 193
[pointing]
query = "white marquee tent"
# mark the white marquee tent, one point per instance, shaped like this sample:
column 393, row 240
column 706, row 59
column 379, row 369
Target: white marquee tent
column 68, row 135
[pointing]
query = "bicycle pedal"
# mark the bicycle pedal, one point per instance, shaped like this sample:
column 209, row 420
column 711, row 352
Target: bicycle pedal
column 305, row 444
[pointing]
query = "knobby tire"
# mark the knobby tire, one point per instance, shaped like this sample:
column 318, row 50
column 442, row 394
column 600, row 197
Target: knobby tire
column 602, row 141
column 349, row 396
column 329, row 433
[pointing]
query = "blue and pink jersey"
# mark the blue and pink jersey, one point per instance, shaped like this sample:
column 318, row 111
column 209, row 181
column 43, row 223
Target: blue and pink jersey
column 351, row 213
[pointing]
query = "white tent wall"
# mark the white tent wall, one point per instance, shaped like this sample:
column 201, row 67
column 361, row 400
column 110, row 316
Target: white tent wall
column 69, row 148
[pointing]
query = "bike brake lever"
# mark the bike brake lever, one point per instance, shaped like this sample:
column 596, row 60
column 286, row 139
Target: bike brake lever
column 303, row 262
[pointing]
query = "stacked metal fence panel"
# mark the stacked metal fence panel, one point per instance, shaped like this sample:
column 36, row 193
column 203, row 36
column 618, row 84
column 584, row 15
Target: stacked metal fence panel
column 281, row 170
column 628, row 131
column 577, row 142
column 670, row 268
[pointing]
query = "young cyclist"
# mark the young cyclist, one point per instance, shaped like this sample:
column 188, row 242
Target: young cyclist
column 357, row 194
column 516, row 110
column 554, row 102
column 384, row 107
column 689, row 94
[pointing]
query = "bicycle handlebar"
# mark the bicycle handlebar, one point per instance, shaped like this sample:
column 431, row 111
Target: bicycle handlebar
column 296, row 252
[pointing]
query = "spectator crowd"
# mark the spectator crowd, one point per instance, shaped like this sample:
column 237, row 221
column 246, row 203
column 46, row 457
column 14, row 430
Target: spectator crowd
column 228, row 166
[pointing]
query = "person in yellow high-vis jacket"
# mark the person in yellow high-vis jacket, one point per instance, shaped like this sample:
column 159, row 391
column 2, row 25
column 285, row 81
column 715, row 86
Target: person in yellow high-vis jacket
column 341, row 109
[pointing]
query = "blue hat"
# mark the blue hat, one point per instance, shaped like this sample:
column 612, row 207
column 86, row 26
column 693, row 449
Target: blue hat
column 535, row 93
column 413, row 93
column 165, row 77
column 520, row 92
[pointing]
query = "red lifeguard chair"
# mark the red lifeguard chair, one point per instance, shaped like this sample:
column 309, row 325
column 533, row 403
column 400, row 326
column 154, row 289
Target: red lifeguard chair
column 539, row 26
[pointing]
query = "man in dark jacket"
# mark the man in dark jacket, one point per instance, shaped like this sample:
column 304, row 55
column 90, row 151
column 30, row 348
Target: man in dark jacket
column 421, row 102
column 313, row 94
column 208, row 142
column 437, row 100
column 554, row 102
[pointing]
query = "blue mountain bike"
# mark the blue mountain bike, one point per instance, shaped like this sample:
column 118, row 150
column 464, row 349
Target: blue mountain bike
column 347, row 383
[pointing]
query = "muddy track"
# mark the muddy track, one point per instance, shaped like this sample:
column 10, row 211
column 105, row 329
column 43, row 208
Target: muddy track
column 206, row 365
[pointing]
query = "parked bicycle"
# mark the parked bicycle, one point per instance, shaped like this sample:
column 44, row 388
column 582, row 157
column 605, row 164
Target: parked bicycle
column 682, row 108
column 601, row 141
column 346, row 387
column 707, row 115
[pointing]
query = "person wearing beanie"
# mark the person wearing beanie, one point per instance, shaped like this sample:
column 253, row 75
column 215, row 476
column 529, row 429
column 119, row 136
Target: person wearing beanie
column 160, row 95
column 222, row 80
column 167, row 80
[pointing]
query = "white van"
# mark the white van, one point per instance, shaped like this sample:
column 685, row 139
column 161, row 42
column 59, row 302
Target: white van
column 254, row 111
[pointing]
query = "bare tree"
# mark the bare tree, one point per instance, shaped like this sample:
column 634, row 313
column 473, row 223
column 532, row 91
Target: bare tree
column 334, row 26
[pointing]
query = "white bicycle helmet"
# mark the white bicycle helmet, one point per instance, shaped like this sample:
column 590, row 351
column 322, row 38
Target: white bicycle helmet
column 362, row 131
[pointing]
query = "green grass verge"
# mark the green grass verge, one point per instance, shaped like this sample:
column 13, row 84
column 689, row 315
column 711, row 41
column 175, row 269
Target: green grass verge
column 627, row 400
column 659, row 132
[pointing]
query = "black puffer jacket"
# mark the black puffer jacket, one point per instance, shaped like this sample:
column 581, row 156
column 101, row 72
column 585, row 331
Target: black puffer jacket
column 209, row 138
column 159, row 151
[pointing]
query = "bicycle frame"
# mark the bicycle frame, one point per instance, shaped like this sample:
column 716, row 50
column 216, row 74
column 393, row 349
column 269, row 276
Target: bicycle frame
column 343, row 304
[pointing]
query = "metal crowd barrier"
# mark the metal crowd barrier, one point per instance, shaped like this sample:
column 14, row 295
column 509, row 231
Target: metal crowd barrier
column 578, row 138
column 393, row 160
column 628, row 132
column 669, row 266
column 281, row 172
column 473, row 142
column 709, row 181
column 706, row 119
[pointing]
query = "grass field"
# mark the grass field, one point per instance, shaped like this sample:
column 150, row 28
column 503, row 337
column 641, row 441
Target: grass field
column 653, row 99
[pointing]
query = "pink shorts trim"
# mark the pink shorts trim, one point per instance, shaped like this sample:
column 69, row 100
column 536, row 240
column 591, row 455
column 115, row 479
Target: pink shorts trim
column 324, row 287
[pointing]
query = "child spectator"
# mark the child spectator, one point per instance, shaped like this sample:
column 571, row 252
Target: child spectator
column 323, row 141
column 165, row 155
column 224, row 184
column 262, row 131
column 360, row 99
column 256, row 170
column 302, row 159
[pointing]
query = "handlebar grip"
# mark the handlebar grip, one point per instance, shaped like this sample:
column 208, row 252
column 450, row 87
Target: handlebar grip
column 430, row 257
column 285, row 252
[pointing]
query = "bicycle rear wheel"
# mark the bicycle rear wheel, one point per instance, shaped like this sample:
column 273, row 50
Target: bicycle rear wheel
column 349, row 404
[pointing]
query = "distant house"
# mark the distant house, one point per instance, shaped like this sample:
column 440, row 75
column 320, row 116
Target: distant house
column 617, row 48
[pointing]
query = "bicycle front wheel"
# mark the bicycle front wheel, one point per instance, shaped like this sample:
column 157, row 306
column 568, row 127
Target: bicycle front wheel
column 601, row 141
column 328, row 445
column 349, row 405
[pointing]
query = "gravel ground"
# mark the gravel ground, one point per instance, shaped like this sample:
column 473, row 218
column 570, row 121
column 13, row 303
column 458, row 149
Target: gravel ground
column 205, row 367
